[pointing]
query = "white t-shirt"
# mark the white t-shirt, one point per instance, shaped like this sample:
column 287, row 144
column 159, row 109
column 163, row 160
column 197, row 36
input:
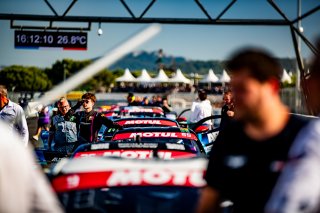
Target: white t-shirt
column 23, row 186
column 298, row 188
column 201, row 110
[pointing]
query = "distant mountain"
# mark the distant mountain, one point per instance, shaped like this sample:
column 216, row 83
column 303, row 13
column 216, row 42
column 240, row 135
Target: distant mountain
column 145, row 60
column 148, row 60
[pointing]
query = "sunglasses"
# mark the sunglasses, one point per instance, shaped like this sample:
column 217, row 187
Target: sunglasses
column 85, row 101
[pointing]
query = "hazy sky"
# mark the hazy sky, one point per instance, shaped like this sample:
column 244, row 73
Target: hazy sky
column 191, row 41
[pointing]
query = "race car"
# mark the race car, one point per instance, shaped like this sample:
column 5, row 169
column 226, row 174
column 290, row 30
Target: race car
column 110, row 185
column 106, row 134
column 110, row 111
column 141, row 111
column 175, row 135
column 206, row 135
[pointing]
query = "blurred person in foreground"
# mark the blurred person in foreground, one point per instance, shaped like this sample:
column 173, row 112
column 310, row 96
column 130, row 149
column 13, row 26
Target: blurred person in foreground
column 63, row 130
column 13, row 114
column 227, row 110
column 246, row 157
column 298, row 188
column 23, row 186
column 201, row 109
column 90, row 121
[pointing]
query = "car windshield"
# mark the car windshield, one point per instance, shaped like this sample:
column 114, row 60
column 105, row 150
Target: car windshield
column 191, row 145
column 136, row 199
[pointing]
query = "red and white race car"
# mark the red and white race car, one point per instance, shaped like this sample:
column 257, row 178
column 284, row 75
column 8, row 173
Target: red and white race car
column 118, row 185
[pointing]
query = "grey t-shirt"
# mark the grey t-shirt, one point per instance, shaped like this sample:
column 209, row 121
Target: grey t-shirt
column 298, row 188
column 64, row 131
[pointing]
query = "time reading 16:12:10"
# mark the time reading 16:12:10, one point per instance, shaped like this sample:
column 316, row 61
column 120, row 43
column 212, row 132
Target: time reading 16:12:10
column 50, row 39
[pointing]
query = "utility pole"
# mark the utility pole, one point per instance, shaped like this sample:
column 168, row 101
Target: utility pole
column 298, row 74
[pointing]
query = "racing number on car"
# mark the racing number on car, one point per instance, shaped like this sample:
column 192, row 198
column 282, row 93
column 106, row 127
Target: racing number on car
column 212, row 136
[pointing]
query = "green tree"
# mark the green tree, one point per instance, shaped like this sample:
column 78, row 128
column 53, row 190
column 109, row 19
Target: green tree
column 69, row 67
column 20, row 78
column 64, row 69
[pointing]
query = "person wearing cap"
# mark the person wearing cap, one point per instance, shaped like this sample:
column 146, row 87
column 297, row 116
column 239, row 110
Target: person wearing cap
column 90, row 121
column 131, row 100
column 13, row 115
column 248, row 155
column 202, row 109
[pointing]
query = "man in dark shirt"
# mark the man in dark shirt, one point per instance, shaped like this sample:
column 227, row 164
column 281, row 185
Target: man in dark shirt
column 89, row 121
column 248, row 156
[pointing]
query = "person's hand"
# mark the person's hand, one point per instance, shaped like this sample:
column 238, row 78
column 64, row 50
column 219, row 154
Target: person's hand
column 79, row 104
column 230, row 113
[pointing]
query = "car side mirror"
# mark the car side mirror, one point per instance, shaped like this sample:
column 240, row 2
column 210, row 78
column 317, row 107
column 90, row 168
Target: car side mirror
column 201, row 129
column 181, row 119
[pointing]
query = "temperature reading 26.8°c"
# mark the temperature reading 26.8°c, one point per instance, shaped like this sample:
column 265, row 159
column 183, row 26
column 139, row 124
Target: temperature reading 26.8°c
column 47, row 39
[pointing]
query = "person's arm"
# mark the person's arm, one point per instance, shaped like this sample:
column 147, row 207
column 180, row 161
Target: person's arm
column 77, row 106
column 21, row 125
column 210, row 198
column 209, row 201
column 195, row 114
column 298, row 187
column 109, row 123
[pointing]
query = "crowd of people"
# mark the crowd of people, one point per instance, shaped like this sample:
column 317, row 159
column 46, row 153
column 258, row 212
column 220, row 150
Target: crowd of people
column 156, row 100
column 265, row 159
column 215, row 89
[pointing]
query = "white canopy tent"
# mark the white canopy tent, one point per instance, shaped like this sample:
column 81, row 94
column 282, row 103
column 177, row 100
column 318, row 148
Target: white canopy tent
column 286, row 77
column 161, row 77
column 210, row 78
column 224, row 78
column 126, row 77
column 144, row 77
column 179, row 78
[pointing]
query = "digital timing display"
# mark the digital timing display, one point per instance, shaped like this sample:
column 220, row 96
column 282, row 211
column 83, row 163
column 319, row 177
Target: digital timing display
column 47, row 39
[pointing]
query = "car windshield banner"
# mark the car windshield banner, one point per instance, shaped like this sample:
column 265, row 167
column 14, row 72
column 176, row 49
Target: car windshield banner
column 137, row 154
column 131, row 135
column 151, row 122
column 141, row 110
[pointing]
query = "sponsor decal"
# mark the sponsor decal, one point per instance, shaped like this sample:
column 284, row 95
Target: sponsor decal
column 100, row 146
column 138, row 145
column 151, row 122
column 212, row 136
column 130, row 177
column 235, row 161
column 137, row 154
column 137, row 110
column 175, row 146
column 179, row 135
